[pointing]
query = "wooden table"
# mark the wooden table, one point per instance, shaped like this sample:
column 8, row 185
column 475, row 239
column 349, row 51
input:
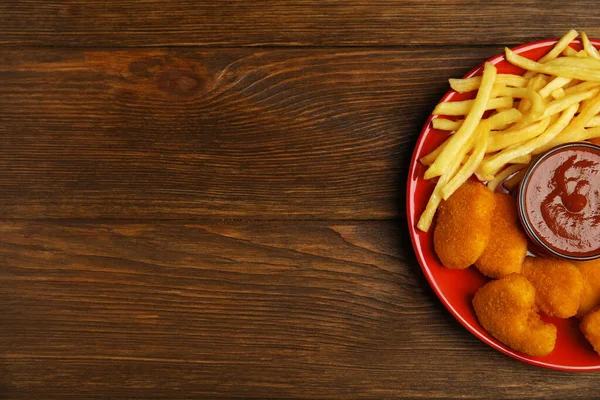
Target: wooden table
column 205, row 199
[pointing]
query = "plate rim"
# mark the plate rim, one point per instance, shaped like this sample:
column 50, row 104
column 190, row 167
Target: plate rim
column 410, row 217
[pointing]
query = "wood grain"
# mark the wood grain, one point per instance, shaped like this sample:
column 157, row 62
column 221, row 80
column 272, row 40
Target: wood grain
column 119, row 23
column 205, row 199
column 225, row 133
column 180, row 310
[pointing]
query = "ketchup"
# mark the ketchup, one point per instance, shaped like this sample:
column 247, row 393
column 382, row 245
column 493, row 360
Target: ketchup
column 560, row 203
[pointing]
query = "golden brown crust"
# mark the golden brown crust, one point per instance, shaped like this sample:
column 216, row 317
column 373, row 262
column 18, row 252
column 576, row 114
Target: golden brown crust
column 558, row 285
column 463, row 225
column 590, row 326
column 505, row 308
column 590, row 294
column 507, row 248
column 506, row 207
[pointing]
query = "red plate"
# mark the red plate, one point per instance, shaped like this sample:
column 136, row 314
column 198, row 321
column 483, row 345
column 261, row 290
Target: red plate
column 457, row 288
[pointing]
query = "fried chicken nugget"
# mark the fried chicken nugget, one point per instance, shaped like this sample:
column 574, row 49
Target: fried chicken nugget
column 590, row 294
column 505, row 252
column 463, row 225
column 505, row 308
column 558, row 285
column 506, row 207
column 590, row 326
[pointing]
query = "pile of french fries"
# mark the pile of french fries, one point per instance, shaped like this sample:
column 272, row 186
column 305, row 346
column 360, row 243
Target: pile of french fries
column 556, row 101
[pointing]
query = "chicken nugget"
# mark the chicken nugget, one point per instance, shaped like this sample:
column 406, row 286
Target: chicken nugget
column 505, row 308
column 505, row 252
column 590, row 294
column 463, row 225
column 590, row 326
column 558, row 285
column 506, row 207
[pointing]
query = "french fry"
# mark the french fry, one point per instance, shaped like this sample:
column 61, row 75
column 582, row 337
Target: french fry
column 524, row 159
column 465, row 172
column 502, row 175
column 498, row 161
column 554, row 118
column 483, row 178
column 473, row 83
column 538, row 103
column 504, row 118
column 558, row 93
column 585, row 103
column 524, row 105
column 501, row 90
column 572, row 132
column 558, row 48
column 533, row 101
column 559, row 105
column 430, row 158
column 574, row 82
column 461, row 137
column 570, row 52
column 555, row 70
column 556, row 101
column 556, row 83
column 593, row 122
column 577, row 136
column 444, row 124
column 426, row 217
column 588, row 47
column 576, row 62
column 436, row 197
column 502, row 139
column 500, row 120
column 580, row 87
column 455, row 108
column 591, row 134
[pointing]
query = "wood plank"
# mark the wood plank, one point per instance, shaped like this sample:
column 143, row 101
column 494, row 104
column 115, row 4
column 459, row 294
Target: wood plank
column 290, row 23
column 225, row 133
column 302, row 310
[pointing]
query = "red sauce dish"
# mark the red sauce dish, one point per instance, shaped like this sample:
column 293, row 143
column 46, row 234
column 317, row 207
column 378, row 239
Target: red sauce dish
column 559, row 201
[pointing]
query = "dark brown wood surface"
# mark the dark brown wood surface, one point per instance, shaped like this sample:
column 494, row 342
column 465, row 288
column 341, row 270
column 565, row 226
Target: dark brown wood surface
column 206, row 199
column 300, row 309
column 92, row 23
column 286, row 134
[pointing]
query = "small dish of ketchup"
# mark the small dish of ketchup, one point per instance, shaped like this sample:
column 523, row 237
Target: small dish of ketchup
column 559, row 201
